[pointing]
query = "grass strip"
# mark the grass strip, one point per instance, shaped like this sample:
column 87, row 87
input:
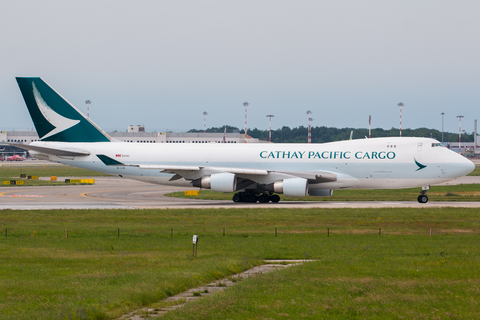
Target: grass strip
column 116, row 261
column 463, row 192
column 475, row 172
column 37, row 183
column 360, row 277
column 47, row 171
column 13, row 173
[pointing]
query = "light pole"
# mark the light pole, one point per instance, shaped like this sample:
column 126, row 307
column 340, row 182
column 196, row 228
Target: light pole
column 460, row 133
column 270, row 116
column 88, row 103
column 443, row 114
column 205, row 121
column 245, row 104
column 475, row 137
column 309, row 126
column 400, row 104
column 369, row 126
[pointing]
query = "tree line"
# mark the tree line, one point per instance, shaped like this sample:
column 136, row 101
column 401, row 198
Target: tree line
column 330, row 134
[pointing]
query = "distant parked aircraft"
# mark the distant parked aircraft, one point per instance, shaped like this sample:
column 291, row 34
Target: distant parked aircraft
column 15, row 158
column 255, row 171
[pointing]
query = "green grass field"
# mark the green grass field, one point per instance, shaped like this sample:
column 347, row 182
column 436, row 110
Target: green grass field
column 475, row 172
column 47, row 171
column 11, row 172
column 464, row 192
column 94, row 274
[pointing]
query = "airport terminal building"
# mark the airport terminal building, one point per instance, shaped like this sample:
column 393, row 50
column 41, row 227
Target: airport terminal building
column 135, row 134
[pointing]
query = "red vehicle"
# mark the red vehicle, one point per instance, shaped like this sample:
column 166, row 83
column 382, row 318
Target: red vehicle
column 15, row 158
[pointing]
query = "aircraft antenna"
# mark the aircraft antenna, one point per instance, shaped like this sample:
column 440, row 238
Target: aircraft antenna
column 270, row 127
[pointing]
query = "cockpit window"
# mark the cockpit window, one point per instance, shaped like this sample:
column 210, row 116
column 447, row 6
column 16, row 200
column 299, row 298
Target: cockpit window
column 438, row 144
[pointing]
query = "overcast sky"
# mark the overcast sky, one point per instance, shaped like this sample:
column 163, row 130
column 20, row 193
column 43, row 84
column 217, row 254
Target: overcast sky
column 163, row 63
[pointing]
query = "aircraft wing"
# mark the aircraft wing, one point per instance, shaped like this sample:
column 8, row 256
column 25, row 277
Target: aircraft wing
column 254, row 175
column 313, row 176
column 52, row 151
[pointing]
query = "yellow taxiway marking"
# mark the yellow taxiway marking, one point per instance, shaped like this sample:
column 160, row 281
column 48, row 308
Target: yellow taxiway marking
column 3, row 194
column 20, row 196
column 30, row 197
column 85, row 194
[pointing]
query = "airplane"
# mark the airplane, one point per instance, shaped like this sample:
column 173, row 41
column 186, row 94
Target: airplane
column 255, row 172
column 15, row 157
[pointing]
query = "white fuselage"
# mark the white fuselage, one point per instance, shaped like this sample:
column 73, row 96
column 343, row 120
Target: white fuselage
column 380, row 163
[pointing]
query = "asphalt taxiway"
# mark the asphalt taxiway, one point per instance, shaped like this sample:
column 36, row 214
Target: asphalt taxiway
column 118, row 193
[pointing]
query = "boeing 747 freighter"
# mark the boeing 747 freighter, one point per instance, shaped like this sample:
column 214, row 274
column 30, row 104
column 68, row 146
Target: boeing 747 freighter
column 256, row 172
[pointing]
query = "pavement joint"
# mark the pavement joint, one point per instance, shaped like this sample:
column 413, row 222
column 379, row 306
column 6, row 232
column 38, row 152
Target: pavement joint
column 209, row 289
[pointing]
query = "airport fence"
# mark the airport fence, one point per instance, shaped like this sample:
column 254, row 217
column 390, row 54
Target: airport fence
column 276, row 232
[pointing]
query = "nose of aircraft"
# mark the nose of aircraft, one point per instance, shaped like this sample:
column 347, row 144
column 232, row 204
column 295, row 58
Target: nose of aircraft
column 469, row 167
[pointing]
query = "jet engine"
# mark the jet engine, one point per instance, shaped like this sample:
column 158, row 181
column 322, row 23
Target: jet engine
column 218, row 182
column 294, row 187
column 321, row 192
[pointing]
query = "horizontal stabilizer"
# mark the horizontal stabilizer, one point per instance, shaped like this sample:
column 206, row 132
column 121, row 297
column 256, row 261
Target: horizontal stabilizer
column 109, row 161
column 52, row 151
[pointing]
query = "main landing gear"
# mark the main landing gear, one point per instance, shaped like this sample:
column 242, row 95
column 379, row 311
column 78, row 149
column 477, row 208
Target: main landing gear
column 255, row 197
column 423, row 198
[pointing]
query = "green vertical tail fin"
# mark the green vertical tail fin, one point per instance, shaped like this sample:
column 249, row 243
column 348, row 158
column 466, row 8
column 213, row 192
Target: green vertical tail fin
column 55, row 119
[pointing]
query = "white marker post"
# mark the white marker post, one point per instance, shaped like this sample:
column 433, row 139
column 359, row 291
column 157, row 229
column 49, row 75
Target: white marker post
column 195, row 241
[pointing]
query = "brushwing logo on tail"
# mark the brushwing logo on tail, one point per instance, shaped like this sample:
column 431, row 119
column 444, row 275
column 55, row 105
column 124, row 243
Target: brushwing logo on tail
column 59, row 122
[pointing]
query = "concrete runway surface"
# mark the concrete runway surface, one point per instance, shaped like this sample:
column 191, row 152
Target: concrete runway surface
column 117, row 193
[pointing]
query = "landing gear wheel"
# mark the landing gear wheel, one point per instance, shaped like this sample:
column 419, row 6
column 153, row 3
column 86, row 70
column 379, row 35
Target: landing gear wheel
column 275, row 198
column 422, row 198
column 263, row 198
column 236, row 198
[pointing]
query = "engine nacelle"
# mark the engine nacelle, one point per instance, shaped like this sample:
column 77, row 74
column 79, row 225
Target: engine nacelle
column 218, row 182
column 295, row 187
column 321, row 192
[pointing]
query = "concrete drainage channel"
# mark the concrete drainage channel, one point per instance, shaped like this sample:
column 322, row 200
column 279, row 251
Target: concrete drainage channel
column 181, row 299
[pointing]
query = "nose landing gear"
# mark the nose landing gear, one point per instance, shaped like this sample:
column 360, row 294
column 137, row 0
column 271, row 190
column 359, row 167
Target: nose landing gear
column 423, row 198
